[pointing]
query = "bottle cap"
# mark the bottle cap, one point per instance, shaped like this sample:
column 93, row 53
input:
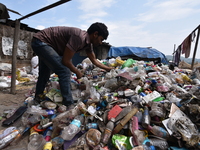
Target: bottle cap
column 112, row 119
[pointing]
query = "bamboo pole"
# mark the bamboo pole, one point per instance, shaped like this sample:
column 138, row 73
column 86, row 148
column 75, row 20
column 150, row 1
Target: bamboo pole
column 195, row 49
column 14, row 52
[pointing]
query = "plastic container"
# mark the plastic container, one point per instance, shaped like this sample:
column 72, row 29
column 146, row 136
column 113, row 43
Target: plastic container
column 159, row 143
column 39, row 111
column 8, row 139
column 71, row 113
column 108, row 131
column 73, row 128
column 48, row 134
column 21, row 129
column 91, row 125
column 146, row 117
column 158, row 131
column 36, row 142
column 7, row 131
column 48, row 104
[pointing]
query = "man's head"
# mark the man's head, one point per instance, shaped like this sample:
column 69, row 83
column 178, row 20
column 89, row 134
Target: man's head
column 98, row 32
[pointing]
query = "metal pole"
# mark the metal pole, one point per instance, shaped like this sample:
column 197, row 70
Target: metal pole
column 45, row 8
column 14, row 52
column 195, row 49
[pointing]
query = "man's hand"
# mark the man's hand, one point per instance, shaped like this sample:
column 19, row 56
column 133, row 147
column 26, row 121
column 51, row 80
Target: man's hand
column 79, row 75
column 109, row 68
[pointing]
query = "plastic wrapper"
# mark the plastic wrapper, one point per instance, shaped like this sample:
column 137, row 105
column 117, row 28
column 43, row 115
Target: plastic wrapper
column 122, row 142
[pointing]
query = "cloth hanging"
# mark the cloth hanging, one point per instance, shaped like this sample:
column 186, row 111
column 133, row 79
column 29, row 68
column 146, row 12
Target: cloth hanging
column 177, row 55
column 186, row 46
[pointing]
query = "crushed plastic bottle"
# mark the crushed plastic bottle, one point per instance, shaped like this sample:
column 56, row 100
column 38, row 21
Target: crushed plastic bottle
column 146, row 117
column 73, row 128
column 39, row 111
column 158, row 131
column 8, row 139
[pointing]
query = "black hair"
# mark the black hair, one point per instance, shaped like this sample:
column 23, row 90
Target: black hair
column 101, row 28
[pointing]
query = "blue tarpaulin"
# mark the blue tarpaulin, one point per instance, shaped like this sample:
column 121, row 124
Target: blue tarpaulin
column 139, row 53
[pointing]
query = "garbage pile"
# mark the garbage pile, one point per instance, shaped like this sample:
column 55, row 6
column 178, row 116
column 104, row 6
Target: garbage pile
column 138, row 105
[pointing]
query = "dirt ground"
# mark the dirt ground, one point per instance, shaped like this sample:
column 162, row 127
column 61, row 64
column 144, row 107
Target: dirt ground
column 13, row 101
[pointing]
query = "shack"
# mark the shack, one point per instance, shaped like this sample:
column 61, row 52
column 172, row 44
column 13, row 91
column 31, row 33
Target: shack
column 24, row 51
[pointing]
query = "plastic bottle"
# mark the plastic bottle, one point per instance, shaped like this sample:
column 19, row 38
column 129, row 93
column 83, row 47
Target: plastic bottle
column 36, row 141
column 143, row 147
column 21, row 129
column 91, row 125
column 8, row 139
column 158, row 131
column 158, row 143
column 146, row 117
column 71, row 113
column 73, row 128
column 7, row 131
column 39, row 111
column 108, row 131
column 48, row 134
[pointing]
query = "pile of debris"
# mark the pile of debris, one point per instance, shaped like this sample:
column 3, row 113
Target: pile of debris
column 137, row 105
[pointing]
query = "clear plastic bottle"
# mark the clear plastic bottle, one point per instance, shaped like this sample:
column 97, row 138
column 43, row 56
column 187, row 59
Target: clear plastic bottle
column 158, row 131
column 73, row 128
column 39, row 111
column 21, row 129
column 158, row 143
column 7, row 131
column 71, row 113
column 108, row 131
column 36, row 141
column 8, row 139
column 146, row 117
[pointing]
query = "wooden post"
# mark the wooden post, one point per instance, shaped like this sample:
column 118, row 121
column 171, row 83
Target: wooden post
column 14, row 52
column 195, row 49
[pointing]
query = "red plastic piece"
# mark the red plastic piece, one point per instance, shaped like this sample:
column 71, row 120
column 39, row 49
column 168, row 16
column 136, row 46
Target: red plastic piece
column 114, row 112
column 36, row 128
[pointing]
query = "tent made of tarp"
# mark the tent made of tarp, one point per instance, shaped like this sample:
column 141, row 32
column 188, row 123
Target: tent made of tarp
column 137, row 53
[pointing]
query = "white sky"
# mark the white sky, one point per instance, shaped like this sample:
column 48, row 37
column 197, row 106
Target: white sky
column 160, row 24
